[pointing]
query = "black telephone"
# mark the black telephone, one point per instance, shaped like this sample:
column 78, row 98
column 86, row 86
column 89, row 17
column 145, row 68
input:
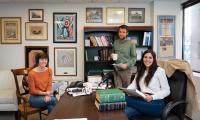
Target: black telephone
column 76, row 84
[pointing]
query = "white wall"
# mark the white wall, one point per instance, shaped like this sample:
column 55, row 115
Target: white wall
column 13, row 55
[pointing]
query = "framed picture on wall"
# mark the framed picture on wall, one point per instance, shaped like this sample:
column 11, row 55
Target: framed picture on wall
column 65, row 62
column 136, row 15
column 36, row 31
column 115, row 15
column 10, row 30
column 64, row 27
column 94, row 15
column 36, row 14
column 166, row 36
column 31, row 52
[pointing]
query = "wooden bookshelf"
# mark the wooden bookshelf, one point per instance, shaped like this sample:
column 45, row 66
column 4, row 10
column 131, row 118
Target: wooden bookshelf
column 110, row 33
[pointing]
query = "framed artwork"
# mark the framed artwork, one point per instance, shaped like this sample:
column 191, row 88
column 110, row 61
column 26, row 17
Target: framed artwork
column 36, row 14
column 10, row 30
column 166, row 36
column 31, row 52
column 65, row 61
column 94, row 15
column 115, row 15
column 136, row 15
column 64, row 27
column 36, row 31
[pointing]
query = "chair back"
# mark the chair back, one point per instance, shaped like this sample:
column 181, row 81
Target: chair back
column 178, row 87
column 21, row 77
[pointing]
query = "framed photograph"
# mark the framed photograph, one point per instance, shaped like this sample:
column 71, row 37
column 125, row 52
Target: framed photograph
column 136, row 15
column 115, row 15
column 94, row 15
column 166, row 36
column 65, row 62
column 36, row 14
column 31, row 52
column 10, row 30
column 64, row 27
column 36, row 31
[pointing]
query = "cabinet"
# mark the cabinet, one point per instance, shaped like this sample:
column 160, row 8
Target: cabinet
column 98, row 43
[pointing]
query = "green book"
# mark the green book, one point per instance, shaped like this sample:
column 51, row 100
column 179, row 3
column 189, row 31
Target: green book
column 110, row 95
column 109, row 106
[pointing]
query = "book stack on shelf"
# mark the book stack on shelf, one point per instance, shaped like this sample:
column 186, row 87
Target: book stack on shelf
column 110, row 99
column 104, row 54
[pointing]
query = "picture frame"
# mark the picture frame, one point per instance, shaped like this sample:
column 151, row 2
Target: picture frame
column 36, row 15
column 31, row 52
column 94, row 15
column 36, row 30
column 65, row 61
column 64, row 27
column 115, row 15
column 10, row 30
column 136, row 15
column 166, row 36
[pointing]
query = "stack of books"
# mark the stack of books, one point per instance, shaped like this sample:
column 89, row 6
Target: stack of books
column 104, row 54
column 110, row 99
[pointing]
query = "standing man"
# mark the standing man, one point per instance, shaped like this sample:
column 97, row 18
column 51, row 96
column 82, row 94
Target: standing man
column 126, row 58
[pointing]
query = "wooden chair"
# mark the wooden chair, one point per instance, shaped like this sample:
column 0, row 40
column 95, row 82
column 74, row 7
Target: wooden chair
column 24, row 108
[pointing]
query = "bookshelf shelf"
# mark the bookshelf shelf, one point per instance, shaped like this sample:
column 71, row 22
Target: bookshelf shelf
column 91, row 47
column 100, row 62
column 100, row 45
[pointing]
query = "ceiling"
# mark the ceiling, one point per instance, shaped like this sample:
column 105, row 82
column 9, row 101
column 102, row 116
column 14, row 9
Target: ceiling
column 73, row 1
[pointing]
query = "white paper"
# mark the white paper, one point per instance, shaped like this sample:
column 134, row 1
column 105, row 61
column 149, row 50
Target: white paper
column 132, row 92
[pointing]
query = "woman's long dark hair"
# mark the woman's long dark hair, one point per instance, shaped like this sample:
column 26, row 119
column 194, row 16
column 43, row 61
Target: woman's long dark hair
column 141, row 69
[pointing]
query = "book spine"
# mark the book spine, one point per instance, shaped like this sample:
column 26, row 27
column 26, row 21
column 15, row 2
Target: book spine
column 111, row 106
column 106, row 98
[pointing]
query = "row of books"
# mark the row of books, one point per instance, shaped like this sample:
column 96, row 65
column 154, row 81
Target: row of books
column 98, row 41
column 110, row 99
column 147, row 39
column 107, row 40
column 104, row 54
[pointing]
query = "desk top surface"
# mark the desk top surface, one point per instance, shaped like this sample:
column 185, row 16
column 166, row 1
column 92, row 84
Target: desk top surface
column 82, row 107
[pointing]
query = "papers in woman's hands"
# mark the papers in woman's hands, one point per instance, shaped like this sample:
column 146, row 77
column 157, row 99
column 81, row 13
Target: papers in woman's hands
column 132, row 92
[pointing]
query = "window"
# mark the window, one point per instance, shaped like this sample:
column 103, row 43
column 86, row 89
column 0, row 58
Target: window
column 191, row 33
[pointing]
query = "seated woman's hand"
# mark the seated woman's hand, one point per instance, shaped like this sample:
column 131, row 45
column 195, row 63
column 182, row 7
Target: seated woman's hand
column 48, row 93
column 47, row 98
column 148, row 98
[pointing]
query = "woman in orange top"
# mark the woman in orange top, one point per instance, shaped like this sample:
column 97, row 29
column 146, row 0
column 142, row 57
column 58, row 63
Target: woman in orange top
column 40, row 84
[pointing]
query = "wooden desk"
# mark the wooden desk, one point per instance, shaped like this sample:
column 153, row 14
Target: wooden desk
column 82, row 107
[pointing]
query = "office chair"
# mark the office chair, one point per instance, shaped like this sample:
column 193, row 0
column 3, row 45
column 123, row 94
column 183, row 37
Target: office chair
column 24, row 108
column 175, row 102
